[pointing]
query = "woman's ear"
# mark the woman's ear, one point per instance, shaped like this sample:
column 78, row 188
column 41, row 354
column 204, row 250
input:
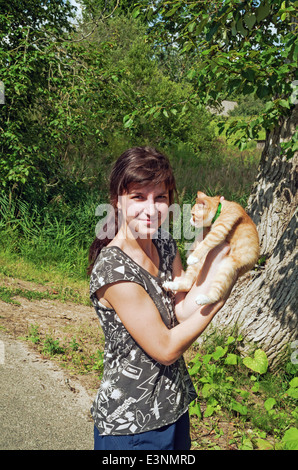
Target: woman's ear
column 119, row 203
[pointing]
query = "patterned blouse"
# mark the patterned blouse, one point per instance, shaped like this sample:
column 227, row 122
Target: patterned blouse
column 137, row 393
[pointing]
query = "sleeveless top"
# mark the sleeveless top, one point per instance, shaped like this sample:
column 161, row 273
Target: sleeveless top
column 137, row 393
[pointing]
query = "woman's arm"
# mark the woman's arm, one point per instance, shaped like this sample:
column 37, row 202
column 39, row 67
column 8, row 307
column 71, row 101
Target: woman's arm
column 142, row 320
column 185, row 302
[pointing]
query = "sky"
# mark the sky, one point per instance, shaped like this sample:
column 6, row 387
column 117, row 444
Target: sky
column 76, row 4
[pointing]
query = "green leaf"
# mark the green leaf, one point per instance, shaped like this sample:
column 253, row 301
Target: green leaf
column 263, row 444
column 195, row 409
column 269, row 106
column 284, row 104
column 241, row 409
column 249, row 20
column 135, row 12
column 206, row 390
column 184, row 109
column 207, row 358
column 259, row 363
column 290, row 439
column 262, row 91
column 246, row 444
column 256, row 387
column 294, row 382
column 230, row 340
column 240, row 27
column 209, row 411
column 191, row 26
column 128, row 123
column 231, row 359
column 269, row 403
column 195, row 368
column 219, row 352
column 191, row 74
column 249, row 74
column 152, row 110
column 263, row 11
column 293, row 393
column 295, row 53
column 171, row 12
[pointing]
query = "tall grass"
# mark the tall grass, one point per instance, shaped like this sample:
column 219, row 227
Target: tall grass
column 224, row 170
column 58, row 235
column 45, row 238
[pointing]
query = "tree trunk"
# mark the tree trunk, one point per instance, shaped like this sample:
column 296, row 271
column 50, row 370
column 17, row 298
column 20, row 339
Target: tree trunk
column 263, row 304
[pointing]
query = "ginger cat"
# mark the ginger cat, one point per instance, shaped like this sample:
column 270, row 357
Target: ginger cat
column 232, row 225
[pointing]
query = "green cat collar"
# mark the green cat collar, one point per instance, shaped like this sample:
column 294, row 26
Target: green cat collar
column 217, row 213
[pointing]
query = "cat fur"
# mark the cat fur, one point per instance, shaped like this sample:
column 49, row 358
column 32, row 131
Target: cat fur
column 234, row 226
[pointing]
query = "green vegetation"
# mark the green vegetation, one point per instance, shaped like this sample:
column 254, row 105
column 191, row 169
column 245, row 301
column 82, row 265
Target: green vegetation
column 70, row 351
column 76, row 96
column 263, row 405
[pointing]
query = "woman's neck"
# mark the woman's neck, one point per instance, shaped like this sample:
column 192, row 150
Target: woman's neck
column 134, row 246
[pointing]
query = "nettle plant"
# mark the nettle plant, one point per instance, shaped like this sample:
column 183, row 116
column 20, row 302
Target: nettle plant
column 214, row 382
column 227, row 383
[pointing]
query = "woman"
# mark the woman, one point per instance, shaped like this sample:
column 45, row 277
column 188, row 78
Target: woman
column 143, row 399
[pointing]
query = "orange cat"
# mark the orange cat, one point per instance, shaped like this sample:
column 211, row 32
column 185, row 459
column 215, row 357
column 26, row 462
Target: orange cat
column 229, row 222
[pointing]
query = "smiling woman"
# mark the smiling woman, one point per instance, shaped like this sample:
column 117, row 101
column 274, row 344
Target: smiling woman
column 134, row 171
column 143, row 210
column 143, row 399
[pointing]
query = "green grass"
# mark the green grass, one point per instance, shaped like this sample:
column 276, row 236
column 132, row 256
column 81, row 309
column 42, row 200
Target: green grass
column 7, row 295
column 225, row 171
column 79, row 351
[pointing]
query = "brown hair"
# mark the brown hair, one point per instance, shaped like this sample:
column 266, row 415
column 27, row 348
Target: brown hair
column 140, row 165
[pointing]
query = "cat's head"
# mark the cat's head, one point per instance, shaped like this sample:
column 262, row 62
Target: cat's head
column 204, row 210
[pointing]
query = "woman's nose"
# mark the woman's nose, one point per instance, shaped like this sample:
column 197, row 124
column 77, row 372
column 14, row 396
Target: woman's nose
column 150, row 209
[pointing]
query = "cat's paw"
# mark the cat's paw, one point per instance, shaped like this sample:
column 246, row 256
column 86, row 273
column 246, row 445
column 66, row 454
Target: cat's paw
column 203, row 299
column 171, row 285
column 192, row 260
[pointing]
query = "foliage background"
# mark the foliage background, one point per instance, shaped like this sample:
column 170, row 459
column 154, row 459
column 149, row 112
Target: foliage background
column 76, row 96
column 79, row 92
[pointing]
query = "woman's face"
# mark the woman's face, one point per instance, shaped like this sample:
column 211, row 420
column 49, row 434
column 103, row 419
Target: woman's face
column 144, row 208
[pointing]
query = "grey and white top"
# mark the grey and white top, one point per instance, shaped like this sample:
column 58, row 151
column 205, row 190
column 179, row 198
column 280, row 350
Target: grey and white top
column 137, row 393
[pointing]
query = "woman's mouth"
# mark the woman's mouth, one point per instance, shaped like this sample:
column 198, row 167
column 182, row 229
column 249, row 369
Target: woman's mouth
column 149, row 221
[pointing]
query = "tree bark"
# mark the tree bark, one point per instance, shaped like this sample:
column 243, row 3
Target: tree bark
column 263, row 304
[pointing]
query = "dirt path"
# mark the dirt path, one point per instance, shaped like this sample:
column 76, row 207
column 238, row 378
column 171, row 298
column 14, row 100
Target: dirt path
column 52, row 317
column 42, row 405
column 40, row 408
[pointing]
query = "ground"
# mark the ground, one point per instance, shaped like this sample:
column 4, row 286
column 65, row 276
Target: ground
column 55, row 318
column 65, row 320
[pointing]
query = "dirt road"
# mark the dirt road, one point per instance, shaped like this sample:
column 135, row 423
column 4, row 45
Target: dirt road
column 40, row 407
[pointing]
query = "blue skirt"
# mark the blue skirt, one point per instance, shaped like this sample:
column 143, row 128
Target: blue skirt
column 170, row 437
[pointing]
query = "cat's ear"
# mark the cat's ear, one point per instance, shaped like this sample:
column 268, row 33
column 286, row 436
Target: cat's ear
column 201, row 198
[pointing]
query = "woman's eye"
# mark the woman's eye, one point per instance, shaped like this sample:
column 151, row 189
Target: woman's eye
column 140, row 197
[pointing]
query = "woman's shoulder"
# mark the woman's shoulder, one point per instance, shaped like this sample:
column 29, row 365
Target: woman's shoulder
column 112, row 266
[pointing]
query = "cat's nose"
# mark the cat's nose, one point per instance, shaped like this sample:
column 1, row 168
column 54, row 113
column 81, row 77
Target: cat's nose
column 192, row 221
